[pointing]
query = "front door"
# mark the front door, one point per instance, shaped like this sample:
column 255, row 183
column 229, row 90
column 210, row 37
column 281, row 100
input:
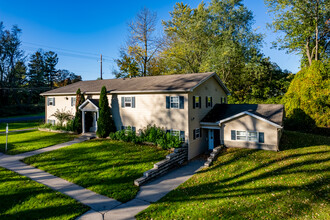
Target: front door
column 211, row 139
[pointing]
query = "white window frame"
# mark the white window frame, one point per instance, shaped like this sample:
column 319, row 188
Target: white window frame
column 50, row 101
column 197, row 98
column 199, row 133
column 73, row 101
column 209, row 101
column 247, row 136
column 239, row 135
column 51, row 121
column 174, row 103
column 128, row 104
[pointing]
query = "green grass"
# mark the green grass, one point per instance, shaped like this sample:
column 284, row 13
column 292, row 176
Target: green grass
column 101, row 165
column 19, row 125
column 22, row 198
column 20, row 142
column 255, row 184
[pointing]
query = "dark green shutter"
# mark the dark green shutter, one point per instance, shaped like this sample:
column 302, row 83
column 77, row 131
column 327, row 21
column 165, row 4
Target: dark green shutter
column 181, row 98
column 182, row 136
column 133, row 102
column 54, row 101
column 167, row 102
column 211, row 102
column 194, row 134
column 123, row 102
column 200, row 101
column 233, row 135
column 206, row 102
column 194, row 102
column 261, row 137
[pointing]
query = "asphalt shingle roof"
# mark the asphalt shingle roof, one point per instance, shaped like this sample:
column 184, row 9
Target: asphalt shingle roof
column 177, row 82
column 271, row 112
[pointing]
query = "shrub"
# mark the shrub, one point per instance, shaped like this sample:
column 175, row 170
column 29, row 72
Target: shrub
column 105, row 123
column 62, row 116
column 77, row 124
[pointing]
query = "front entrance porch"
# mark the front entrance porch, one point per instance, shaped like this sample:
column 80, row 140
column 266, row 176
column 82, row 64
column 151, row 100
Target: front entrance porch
column 90, row 114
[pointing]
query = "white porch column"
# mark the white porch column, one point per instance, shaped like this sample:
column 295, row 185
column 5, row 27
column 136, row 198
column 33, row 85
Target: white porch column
column 97, row 118
column 94, row 120
column 83, row 121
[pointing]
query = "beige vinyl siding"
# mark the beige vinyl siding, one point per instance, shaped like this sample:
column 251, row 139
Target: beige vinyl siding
column 209, row 88
column 63, row 103
column 249, row 123
column 150, row 109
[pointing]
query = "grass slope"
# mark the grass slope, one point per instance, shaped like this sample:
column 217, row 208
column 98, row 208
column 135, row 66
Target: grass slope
column 22, row 198
column 103, row 166
column 19, row 125
column 20, row 142
column 256, row 184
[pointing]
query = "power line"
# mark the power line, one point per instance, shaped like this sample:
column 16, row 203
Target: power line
column 69, row 50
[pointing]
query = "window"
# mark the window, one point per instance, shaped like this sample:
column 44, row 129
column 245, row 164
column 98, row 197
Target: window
column 51, row 101
column 128, row 102
column 51, row 121
column 208, row 101
column 223, row 100
column 197, row 102
column 241, row 135
column 128, row 128
column 73, row 101
column 180, row 134
column 176, row 102
column 197, row 133
column 252, row 136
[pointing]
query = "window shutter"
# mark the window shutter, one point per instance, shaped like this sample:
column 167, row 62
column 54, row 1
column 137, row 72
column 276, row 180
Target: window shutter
column 133, row 102
column 194, row 134
column 261, row 137
column 182, row 136
column 200, row 101
column 224, row 100
column 233, row 135
column 221, row 100
column 54, row 101
column 134, row 129
column 167, row 131
column 211, row 102
column 194, row 101
column 167, row 102
column 123, row 102
column 200, row 132
column 206, row 101
column 181, row 102
column 47, row 101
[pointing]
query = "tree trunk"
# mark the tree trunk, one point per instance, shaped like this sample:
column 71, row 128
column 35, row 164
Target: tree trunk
column 308, row 54
column 316, row 30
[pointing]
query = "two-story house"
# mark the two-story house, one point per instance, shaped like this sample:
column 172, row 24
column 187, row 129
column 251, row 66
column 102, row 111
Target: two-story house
column 177, row 103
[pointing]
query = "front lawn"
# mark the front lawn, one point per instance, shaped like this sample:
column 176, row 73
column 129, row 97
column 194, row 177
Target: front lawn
column 19, row 125
column 256, row 184
column 20, row 142
column 22, row 198
column 104, row 166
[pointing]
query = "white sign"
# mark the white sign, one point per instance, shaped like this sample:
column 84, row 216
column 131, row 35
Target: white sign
column 7, row 129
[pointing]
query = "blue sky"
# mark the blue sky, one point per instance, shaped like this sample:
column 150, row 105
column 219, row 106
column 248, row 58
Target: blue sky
column 81, row 30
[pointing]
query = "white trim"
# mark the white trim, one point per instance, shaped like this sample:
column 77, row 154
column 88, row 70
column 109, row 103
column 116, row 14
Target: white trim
column 252, row 115
column 85, row 102
column 209, row 127
column 119, row 92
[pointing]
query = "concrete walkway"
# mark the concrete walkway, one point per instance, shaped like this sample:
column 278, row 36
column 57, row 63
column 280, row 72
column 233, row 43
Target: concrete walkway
column 102, row 207
column 26, row 129
column 151, row 192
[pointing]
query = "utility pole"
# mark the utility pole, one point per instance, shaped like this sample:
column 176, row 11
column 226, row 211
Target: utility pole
column 101, row 67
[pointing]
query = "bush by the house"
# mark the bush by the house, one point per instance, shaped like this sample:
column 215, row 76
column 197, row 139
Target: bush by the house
column 62, row 116
column 105, row 123
column 77, row 124
column 58, row 127
column 151, row 134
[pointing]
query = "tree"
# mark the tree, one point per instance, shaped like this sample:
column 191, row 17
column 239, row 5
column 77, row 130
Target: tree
column 65, row 77
column 309, row 95
column 305, row 25
column 51, row 61
column 142, row 47
column 77, row 123
column 62, row 116
column 105, row 123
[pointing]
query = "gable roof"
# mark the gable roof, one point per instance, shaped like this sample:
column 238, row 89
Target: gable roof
column 272, row 113
column 162, row 83
column 94, row 102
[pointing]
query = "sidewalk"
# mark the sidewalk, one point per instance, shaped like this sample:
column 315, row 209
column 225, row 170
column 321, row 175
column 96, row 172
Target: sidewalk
column 101, row 206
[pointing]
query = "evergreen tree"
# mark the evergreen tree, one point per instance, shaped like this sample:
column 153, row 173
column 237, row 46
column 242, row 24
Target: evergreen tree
column 78, row 117
column 105, row 123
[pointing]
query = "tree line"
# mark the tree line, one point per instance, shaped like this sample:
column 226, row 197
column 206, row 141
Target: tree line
column 22, row 77
column 219, row 37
